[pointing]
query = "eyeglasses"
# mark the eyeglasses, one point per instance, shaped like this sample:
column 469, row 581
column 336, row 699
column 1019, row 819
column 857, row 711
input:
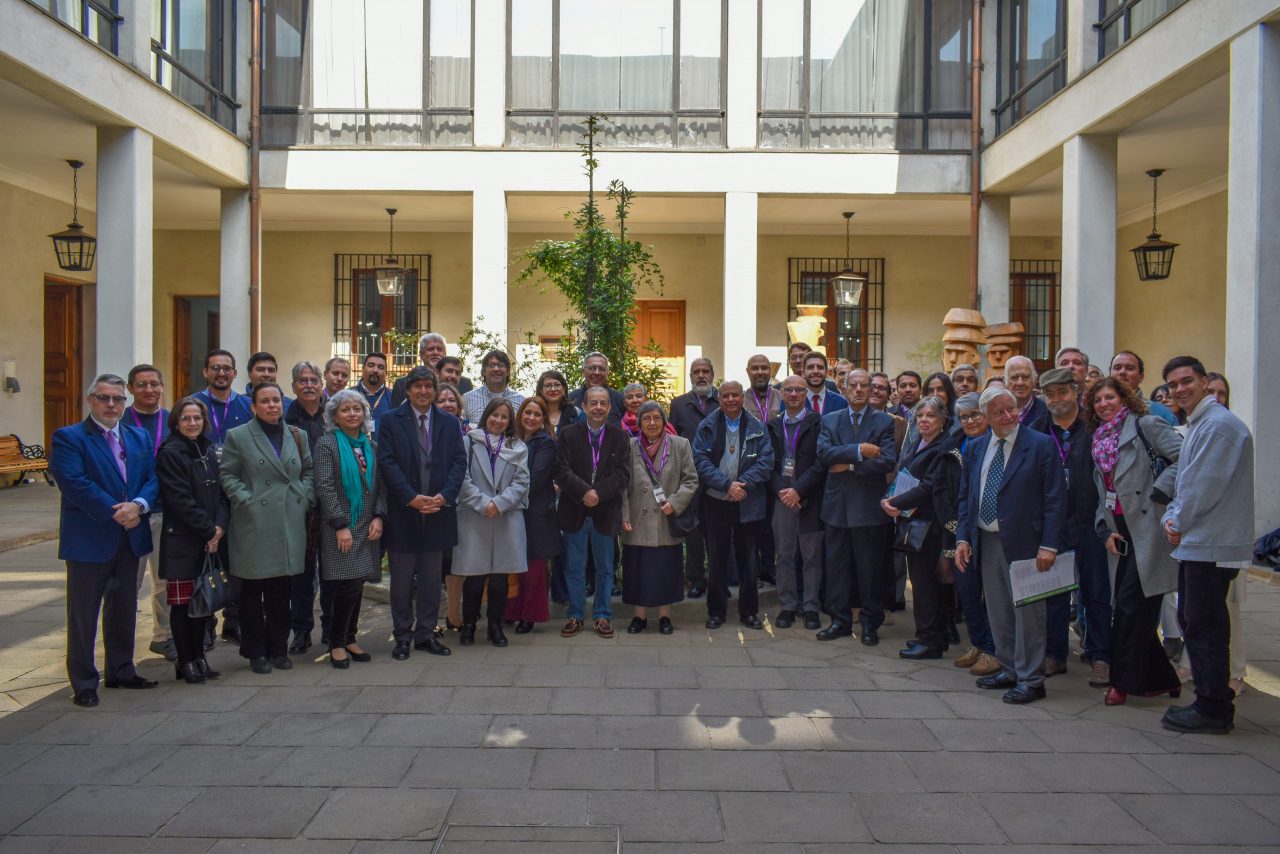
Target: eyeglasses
column 191, row 419
column 118, row 400
column 220, row 369
column 969, row 417
column 308, row 381
column 551, row 386
column 792, row 389
column 149, row 385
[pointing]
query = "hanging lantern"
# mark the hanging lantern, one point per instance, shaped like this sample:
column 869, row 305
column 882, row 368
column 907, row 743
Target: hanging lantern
column 847, row 286
column 391, row 277
column 1155, row 257
column 75, row 247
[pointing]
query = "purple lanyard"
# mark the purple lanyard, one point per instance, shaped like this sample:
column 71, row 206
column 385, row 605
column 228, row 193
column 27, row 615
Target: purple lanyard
column 702, row 403
column 155, row 448
column 218, row 435
column 1063, row 451
column 596, row 449
column 762, row 406
column 790, row 440
column 666, row 449
column 493, row 454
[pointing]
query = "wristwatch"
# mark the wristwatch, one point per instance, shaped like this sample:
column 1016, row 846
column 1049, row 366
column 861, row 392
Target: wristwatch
column 142, row 508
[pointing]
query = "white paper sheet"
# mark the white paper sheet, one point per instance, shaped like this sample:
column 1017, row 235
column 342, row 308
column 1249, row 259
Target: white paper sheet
column 1031, row 585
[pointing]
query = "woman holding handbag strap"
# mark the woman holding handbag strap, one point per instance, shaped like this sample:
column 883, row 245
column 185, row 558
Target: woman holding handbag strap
column 195, row 520
column 927, row 462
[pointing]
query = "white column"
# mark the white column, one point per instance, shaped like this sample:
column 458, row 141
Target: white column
column 135, row 34
column 742, row 93
column 1253, row 256
column 124, row 306
column 489, row 68
column 233, row 276
column 990, row 72
column 489, row 260
column 993, row 258
column 1089, row 245
column 741, row 216
column 1082, row 39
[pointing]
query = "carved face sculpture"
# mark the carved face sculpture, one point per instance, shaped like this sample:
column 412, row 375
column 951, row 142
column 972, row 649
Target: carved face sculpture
column 958, row 353
column 998, row 354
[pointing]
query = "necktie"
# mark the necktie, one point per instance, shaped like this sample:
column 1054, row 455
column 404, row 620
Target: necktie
column 857, row 421
column 117, row 452
column 424, row 435
column 817, row 404
column 991, row 491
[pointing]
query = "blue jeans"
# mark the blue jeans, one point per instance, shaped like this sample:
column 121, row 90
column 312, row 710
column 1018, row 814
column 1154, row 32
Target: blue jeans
column 575, row 572
column 969, row 586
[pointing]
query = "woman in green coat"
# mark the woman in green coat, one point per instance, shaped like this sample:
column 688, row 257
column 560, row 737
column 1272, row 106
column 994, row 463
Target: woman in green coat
column 266, row 474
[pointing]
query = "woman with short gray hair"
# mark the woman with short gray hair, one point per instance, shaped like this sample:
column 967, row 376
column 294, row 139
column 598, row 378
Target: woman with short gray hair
column 353, row 505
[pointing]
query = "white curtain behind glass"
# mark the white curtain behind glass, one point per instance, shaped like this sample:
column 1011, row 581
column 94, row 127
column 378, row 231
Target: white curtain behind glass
column 615, row 54
column 781, row 54
column 530, row 54
column 865, row 56
column 700, row 55
column 450, row 72
column 366, row 54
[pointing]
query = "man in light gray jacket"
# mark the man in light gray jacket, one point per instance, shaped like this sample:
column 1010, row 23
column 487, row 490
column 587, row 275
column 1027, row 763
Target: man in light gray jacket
column 1210, row 524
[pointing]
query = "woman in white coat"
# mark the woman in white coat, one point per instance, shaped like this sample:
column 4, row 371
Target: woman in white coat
column 491, row 536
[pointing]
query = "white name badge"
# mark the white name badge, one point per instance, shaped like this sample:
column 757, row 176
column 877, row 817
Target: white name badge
column 789, row 467
column 658, row 495
column 1112, row 501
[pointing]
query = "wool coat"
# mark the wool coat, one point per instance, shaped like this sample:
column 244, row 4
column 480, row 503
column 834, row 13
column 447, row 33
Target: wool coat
column 573, row 476
column 679, row 482
column 364, row 560
column 541, row 529
column 492, row 545
column 270, row 497
column 194, row 505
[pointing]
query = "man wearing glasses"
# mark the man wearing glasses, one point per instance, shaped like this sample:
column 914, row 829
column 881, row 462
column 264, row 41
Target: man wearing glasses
column 146, row 385
column 107, row 475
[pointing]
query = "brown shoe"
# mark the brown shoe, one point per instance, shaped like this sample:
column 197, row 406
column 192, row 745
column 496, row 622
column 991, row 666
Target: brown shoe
column 969, row 659
column 1099, row 675
column 603, row 629
column 571, row 627
column 985, row 665
column 1052, row 667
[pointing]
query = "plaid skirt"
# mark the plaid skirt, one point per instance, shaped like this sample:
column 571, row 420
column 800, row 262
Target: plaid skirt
column 180, row 590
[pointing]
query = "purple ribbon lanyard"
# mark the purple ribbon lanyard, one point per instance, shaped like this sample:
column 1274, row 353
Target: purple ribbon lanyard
column 1063, row 451
column 155, row 447
column 762, row 406
column 666, row 449
column 596, row 450
column 790, row 440
column 493, row 454
column 213, row 418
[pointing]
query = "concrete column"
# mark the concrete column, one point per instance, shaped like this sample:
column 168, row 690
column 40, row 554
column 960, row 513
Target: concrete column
column 233, row 277
column 135, row 34
column 993, row 258
column 1082, row 39
column 743, row 93
column 489, row 72
column 1253, row 256
column 741, row 215
column 125, row 311
column 489, row 260
column 990, row 72
column 1089, row 245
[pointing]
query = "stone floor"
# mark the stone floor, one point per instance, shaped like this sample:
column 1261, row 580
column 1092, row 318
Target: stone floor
column 702, row 741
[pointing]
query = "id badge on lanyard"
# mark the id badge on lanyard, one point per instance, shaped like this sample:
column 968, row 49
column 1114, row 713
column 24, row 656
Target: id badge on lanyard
column 789, row 467
column 658, row 495
column 217, row 452
column 1112, row 500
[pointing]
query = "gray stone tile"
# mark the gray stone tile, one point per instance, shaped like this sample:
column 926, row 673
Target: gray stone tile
column 610, row 654
column 14, row 726
column 110, row 811
column 80, row 764
column 841, row 771
column 1199, row 819
column 1069, row 819
column 102, row 728
column 299, row 730
column 901, row 704
column 559, row 676
column 986, row 736
column 471, row 700
column 604, row 701
column 521, row 651
column 987, row 706
column 281, row 846
column 19, row 803
column 339, row 766
column 1215, row 775
column 381, row 814
column 218, row 766
column 827, row 678
column 741, row 677
column 1090, row 737
column 215, row 697
column 489, row 768
column 382, row 672
column 881, row 734
column 1089, row 772
column 14, row 755
column 270, row 813
column 761, row 733
column 1268, row 806
column 726, row 702
column 429, row 730
column 953, row 818
column 816, row 703
column 648, row 733
column 101, row 845
column 880, row 848
column 294, row 700
column 544, row 731
column 704, row 655
column 400, row 700
column 659, row 816
column 651, row 677
column 528, row 806
column 975, row 772
column 453, row 674
column 593, row 769
column 720, row 771
column 791, row 817
column 717, row 848
column 187, row 728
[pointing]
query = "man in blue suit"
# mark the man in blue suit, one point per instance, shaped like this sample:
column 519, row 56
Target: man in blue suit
column 1010, row 508
column 856, row 445
column 818, row 396
column 108, row 481
column 422, row 461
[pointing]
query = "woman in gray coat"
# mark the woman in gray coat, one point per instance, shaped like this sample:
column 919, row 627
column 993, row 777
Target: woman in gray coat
column 353, row 509
column 1132, row 501
column 266, row 473
column 491, row 538
column 652, row 562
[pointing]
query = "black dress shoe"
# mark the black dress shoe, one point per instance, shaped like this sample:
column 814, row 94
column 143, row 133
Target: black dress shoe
column 715, row 622
column 524, row 627
column 751, row 621
column 697, row 591
column 785, row 619
column 496, row 636
column 282, row 662
column 430, row 646
column 664, row 626
column 1023, row 694
column 811, row 620
column 134, row 682
column 1191, row 719
column 189, row 672
column 467, row 634
column 870, row 637
column 834, row 631
column 209, row 672
column 919, row 652
column 301, row 643
column 88, row 698
column 401, row 650
column 637, row 625
column 260, row 665
column 1003, row 679
column 360, row 657
column 339, row 663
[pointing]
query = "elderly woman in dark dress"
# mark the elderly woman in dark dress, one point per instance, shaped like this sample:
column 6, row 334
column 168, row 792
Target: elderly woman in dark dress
column 353, row 505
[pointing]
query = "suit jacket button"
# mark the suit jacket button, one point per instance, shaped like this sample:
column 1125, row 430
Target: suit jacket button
column 262, row 462
column 268, row 483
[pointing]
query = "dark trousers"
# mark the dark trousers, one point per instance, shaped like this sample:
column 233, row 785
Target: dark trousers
column 559, row 587
column 926, row 591
column 188, row 633
column 1057, row 644
column 1095, row 596
column 264, row 617
column 1138, row 662
column 302, row 599
column 767, row 549
column 473, row 589
column 415, row 594
column 112, row 587
column 720, row 524
column 695, row 558
column 855, row 561
column 1206, row 632
column 969, row 591
column 347, row 596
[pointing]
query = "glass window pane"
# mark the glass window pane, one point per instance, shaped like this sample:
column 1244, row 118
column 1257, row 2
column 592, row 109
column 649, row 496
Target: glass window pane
column 866, row 133
column 530, row 54
column 781, row 132
column 615, row 54
column 530, row 131
column 781, row 54
column 701, row 132
column 949, row 134
column 866, row 56
column 366, row 55
column 450, row 71
column 700, row 54
column 950, row 37
column 282, row 44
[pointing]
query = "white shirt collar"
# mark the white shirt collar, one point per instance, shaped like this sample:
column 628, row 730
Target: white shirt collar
column 105, row 429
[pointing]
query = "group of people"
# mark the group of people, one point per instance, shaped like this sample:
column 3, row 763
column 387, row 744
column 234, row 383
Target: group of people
column 504, row 502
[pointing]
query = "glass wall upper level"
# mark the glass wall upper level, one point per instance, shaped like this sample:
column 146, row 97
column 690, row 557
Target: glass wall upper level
column 1031, row 56
column 193, row 54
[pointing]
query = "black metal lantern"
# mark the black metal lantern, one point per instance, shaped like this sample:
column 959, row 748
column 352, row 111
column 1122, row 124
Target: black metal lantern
column 75, row 247
column 847, row 286
column 391, row 277
column 1155, row 257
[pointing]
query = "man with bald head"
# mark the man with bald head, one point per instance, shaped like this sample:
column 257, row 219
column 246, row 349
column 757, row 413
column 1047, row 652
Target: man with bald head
column 1020, row 378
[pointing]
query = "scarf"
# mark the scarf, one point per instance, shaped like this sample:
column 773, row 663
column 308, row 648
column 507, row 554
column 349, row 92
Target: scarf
column 1106, row 442
column 632, row 425
column 651, row 450
column 350, row 470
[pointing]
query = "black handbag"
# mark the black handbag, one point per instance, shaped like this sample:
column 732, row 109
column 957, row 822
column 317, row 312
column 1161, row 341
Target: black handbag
column 1158, row 463
column 910, row 535
column 215, row 589
column 679, row 525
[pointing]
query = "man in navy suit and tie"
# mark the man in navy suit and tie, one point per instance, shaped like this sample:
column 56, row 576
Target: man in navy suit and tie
column 1010, row 508
column 856, row 445
column 819, row 397
column 108, row 481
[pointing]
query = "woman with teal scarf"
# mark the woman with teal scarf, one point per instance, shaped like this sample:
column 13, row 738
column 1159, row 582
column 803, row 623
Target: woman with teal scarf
column 353, row 504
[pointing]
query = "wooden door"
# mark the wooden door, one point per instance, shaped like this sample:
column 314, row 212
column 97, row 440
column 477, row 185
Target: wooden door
column 62, row 389
column 182, row 355
column 662, row 322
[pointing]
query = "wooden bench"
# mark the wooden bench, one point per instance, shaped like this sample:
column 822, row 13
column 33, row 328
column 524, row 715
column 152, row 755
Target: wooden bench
column 17, row 458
